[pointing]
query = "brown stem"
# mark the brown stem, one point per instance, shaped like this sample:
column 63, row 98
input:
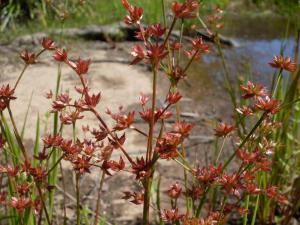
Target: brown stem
column 170, row 31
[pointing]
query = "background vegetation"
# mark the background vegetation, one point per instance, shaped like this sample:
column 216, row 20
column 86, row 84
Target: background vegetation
column 27, row 16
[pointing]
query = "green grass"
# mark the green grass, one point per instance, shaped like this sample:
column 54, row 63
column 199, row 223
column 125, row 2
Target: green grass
column 109, row 11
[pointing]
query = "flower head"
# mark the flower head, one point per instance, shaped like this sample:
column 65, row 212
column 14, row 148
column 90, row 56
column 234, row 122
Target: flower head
column 185, row 10
column 268, row 104
column 156, row 53
column 135, row 13
column 174, row 191
column 199, row 45
column 20, row 204
column 28, row 58
column 171, row 215
column 283, row 63
column 48, row 44
column 223, row 129
column 60, row 55
column 80, row 66
column 251, row 90
column 173, row 98
column 138, row 53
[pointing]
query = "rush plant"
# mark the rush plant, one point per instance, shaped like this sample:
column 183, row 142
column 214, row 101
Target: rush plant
column 247, row 183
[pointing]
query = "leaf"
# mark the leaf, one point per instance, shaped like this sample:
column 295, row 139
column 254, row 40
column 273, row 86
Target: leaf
column 26, row 116
column 37, row 140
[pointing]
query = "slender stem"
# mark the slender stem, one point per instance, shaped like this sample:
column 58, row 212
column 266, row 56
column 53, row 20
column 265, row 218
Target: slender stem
column 223, row 207
column 20, row 76
column 190, row 62
column 256, row 205
column 148, row 181
column 64, row 192
column 221, row 150
column 77, row 199
column 152, row 122
column 164, row 13
column 43, row 203
column 170, row 31
column 245, row 218
column 279, row 77
column 24, row 69
column 17, row 135
column 139, row 131
column 202, row 201
column 55, row 164
column 183, row 165
column 74, row 131
column 97, row 211
column 180, row 41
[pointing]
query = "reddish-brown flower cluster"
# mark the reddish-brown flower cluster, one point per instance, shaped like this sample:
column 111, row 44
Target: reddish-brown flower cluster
column 273, row 193
column 198, row 47
column 166, row 146
column 122, row 121
column 208, row 174
column 174, row 191
column 188, row 9
column 284, row 63
column 140, row 168
column 215, row 19
column 60, row 55
column 137, row 197
column 223, row 129
column 28, row 58
column 268, row 105
column 231, row 184
column 20, row 204
column 135, row 13
column 113, row 165
column 171, row 215
column 245, row 110
column 253, row 90
column 173, row 98
column 6, row 95
column 80, row 66
column 48, row 44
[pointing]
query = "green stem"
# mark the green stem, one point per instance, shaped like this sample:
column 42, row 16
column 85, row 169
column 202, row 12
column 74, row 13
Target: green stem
column 245, row 218
column 77, row 199
column 256, row 205
column 279, row 77
column 97, row 211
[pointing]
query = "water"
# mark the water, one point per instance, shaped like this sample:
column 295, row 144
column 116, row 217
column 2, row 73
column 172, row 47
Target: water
column 259, row 39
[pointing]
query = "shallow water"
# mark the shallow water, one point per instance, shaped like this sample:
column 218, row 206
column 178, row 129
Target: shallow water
column 259, row 39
